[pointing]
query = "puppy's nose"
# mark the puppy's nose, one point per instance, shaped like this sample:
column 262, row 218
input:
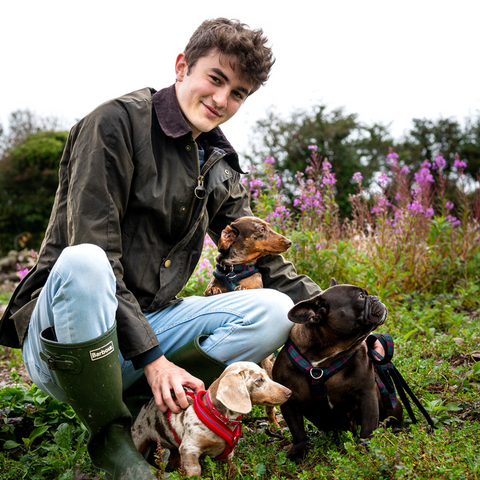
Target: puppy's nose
column 287, row 393
column 288, row 242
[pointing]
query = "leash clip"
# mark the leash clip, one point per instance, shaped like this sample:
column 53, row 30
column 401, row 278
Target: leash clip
column 312, row 374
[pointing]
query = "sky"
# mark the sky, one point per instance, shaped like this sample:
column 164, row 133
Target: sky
column 387, row 61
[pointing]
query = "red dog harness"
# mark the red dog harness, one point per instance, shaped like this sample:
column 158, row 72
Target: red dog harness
column 229, row 430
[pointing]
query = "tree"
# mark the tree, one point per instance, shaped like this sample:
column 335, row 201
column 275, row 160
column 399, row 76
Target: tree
column 28, row 182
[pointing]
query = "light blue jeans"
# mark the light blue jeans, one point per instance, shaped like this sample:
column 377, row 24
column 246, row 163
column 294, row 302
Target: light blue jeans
column 79, row 301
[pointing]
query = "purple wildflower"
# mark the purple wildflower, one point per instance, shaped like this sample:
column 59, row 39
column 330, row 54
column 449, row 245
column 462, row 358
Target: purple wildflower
column 405, row 170
column 21, row 272
column 415, row 207
column 329, row 179
column 270, row 160
column 357, row 177
column 454, row 220
column 313, row 148
column 383, row 179
column 439, row 162
column 449, row 205
column 424, row 175
column 326, row 165
column 458, row 164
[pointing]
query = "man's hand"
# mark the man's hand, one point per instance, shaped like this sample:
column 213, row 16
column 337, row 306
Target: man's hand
column 164, row 377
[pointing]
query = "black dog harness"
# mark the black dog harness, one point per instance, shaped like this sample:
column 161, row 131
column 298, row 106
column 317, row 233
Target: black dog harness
column 232, row 274
column 386, row 374
column 317, row 376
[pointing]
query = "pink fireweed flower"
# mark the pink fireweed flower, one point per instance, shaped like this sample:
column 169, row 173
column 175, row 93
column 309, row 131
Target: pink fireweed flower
column 429, row 212
column 415, row 207
column 326, row 165
column 424, row 176
column 392, row 156
column 381, row 206
column 383, row 179
column 405, row 170
column 21, row 272
column 357, row 177
column 449, row 205
column 329, row 179
column 270, row 160
column 454, row 220
column 439, row 162
column 459, row 164
column 313, row 148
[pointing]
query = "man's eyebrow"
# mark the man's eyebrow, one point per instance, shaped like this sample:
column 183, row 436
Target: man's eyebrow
column 220, row 73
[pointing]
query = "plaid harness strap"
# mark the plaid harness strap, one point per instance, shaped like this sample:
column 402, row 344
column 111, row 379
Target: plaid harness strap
column 317, row 376
column 229, row 430
column 232, row 274
column 389, row 378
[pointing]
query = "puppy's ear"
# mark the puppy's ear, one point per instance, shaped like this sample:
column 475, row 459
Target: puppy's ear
column 308, row 311
column 333, row 282
column 233, row 393
column 227, row 237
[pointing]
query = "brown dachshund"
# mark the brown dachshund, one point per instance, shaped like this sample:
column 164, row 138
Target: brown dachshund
column 241, row 244
column 211, row 423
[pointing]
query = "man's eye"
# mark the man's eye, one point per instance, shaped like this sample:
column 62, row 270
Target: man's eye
column 215, row 79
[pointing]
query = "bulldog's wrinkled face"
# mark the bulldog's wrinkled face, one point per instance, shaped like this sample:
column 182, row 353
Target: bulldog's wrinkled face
column 346, row 311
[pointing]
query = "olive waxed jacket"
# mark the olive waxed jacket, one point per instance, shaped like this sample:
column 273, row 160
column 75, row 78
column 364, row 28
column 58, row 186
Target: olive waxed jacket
column 129, row 182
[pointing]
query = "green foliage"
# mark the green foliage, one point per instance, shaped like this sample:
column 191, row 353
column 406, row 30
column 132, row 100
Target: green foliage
column 40, row 438
column 28, row 182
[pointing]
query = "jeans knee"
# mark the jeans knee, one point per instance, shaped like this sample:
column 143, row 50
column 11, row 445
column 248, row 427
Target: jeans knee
column 276, row 303
column 86, row 265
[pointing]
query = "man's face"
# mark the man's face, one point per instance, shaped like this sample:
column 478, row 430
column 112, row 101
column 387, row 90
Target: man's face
column 210, row 94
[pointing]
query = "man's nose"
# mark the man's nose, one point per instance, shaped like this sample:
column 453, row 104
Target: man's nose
column 221, row 97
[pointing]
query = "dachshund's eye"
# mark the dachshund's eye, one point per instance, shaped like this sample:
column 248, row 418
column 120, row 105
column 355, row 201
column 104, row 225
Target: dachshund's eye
column 259, row 380
column 262, row 229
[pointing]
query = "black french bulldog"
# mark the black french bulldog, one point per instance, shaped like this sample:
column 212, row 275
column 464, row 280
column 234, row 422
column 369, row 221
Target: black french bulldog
column 337, row 389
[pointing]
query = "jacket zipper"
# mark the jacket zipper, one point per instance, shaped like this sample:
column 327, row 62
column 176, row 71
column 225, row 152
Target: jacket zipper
column 199, row 191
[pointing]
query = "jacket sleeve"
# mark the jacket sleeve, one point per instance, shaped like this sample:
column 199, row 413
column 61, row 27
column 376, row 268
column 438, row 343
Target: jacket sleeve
column 276, row 272
column 100, row 171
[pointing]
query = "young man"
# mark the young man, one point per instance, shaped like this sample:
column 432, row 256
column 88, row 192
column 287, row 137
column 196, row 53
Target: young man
column 142, row 179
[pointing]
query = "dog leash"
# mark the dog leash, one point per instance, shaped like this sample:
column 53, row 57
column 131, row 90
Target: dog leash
column 317, row 376
column 389, row 378
column 232, row 274
column 229, row 430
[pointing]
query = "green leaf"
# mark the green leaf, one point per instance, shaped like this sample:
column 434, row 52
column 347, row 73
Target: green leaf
column 10, row 444
column 37, row 432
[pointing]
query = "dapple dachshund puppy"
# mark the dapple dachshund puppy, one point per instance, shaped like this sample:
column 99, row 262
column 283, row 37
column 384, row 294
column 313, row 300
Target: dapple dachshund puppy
column 211, row 423
column 325, row 364
column 240, row 245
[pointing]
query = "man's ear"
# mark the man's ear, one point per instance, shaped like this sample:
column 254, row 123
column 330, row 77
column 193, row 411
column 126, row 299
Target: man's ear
column 181, row 67
column 227, row 237
column 308, row 311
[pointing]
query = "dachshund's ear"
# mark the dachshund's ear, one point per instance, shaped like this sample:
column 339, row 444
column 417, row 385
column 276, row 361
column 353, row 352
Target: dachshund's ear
column 333, row 282
column 233, row 392
column 227, row 237
column 309, row 311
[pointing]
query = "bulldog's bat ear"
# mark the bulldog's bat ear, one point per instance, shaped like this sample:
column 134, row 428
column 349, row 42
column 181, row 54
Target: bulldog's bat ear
column 333, row 282
column 308, row 311
column 227, row 237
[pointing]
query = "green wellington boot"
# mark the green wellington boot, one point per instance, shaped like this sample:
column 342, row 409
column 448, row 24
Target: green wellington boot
column 89, row 374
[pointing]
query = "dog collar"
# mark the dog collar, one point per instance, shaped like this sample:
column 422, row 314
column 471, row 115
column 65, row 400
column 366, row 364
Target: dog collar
column 229, row 430
column 232, row 274
column 317, row 376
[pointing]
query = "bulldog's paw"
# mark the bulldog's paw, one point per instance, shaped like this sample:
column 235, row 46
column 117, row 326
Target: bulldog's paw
column 212, row 291
column 297, row 452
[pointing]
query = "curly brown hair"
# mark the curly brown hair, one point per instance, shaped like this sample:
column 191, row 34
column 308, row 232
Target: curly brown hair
column 230, row 37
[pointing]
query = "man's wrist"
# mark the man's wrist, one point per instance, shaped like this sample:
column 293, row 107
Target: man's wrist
column 139, row 361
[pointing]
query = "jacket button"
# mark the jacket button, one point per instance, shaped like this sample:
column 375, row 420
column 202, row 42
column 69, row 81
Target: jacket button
column 182, row 209
column 188, row 148
column 227, row 172
column 167, row 263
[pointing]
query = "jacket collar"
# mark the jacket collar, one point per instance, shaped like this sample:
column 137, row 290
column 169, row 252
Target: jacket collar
column 173, row 124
